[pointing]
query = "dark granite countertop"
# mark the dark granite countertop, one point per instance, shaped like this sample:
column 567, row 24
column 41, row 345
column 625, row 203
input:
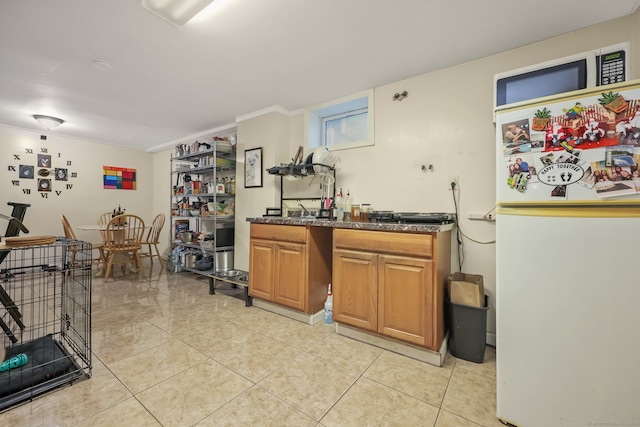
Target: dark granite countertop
column 376, row 226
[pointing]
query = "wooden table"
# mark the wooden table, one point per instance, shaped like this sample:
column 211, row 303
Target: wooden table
column 103, row 227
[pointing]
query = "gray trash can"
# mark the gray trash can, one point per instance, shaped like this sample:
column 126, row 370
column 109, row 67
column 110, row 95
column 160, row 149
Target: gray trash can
column 467, row 327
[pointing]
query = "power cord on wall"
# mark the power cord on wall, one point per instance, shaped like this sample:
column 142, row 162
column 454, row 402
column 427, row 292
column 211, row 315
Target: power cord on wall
column 459, row 233
column 459, row 242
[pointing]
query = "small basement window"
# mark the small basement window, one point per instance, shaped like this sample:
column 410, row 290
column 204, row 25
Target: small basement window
column 340, row 124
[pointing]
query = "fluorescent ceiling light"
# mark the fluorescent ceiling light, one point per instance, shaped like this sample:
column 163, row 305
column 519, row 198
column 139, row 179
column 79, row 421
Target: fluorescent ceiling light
column 48, row 122
column 176, row 12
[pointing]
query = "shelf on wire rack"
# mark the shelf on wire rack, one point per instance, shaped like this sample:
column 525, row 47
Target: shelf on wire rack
column 300, row 170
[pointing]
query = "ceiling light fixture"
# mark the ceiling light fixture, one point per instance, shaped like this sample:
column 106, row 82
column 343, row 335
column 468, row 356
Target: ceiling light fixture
column 102, row 65
column 48, row 122
column 177, row 13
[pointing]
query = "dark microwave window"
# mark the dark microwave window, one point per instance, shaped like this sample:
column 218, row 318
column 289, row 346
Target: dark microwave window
column 544, row 82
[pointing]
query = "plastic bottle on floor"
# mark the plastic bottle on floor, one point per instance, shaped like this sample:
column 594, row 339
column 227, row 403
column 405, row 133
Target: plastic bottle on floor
column 328, row 307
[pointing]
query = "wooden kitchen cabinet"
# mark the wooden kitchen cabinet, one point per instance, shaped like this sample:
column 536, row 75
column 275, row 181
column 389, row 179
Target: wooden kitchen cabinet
column 290, row 265
column 392, row 283
column 290, row 272
column 261, row 254
column 355, row 298
column 405, row 305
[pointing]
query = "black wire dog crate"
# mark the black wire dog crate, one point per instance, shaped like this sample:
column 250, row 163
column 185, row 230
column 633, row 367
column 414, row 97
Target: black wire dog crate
column 45, row 315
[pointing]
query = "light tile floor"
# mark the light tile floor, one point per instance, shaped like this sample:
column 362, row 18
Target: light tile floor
column 166, row 353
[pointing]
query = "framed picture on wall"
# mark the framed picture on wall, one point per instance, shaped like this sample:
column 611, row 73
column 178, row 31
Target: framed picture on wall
column 253, row 168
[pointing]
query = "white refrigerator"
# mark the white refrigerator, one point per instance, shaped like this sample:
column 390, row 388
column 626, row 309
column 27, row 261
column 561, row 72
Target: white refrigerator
column 568, row 259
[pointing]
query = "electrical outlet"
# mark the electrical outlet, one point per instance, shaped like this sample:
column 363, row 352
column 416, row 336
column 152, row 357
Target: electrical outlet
column 453, row 179
column 481, row 217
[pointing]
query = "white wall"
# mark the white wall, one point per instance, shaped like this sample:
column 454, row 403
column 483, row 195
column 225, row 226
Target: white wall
column 161, row 203
column 271, row 132
column 86, row 199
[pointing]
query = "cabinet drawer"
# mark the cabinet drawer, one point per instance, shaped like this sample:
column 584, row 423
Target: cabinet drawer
column 281, row 233
column 417, row 245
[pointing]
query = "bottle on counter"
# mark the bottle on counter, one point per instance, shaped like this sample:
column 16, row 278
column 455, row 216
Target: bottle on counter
column 364, row 212
column 328, row 307
column 347, row 207
column 340, row 205
column 355, row 213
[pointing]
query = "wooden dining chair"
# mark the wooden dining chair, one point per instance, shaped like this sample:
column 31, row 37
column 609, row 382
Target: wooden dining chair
column 95, row 246
column 123, row 242
column 103, row 220
column 152, row 239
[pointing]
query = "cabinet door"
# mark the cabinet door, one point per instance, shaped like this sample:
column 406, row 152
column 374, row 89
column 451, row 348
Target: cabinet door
column 405, row 309
column 290, row 272
column 261, row 261
column 355, row 283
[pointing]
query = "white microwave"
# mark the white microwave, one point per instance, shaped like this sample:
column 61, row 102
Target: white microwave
column 584, row 70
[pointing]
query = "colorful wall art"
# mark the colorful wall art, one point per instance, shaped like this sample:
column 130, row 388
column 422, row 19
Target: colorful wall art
column 115, row 178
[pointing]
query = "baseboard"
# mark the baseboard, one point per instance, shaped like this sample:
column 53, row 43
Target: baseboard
column 419, row 353
column 310, row 319
column 491, row 339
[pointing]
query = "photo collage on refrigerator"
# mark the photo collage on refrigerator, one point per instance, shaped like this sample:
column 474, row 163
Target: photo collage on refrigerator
column 592, row 143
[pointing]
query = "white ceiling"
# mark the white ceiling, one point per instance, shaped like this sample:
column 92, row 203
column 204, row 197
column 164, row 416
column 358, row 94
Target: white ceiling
column 241, row 56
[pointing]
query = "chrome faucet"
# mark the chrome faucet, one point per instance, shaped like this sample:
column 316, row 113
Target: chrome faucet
column 305, row 212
